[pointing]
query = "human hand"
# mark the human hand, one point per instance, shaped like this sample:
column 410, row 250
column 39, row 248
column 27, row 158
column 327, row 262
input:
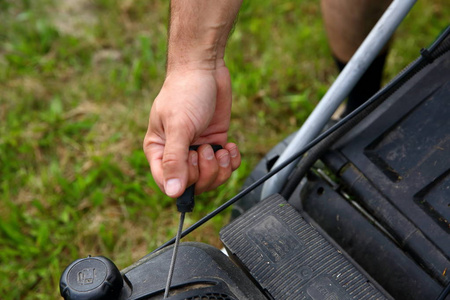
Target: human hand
column 193, row 107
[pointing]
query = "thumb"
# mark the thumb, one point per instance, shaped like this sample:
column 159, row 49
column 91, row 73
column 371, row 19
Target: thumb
column 175, row 161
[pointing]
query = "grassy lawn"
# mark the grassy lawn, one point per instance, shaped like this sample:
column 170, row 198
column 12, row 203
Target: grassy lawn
column 77, row 80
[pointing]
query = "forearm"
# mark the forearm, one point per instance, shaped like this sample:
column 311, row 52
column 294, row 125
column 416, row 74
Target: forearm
column 199, row 31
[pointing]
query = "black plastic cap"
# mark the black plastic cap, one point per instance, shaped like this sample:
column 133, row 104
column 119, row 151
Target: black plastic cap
column 186, row 202
column 93, row 278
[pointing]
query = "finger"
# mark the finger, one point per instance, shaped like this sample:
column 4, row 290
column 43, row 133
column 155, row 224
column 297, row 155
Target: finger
column 175, row 161
column 208, row 168
column 234, row 154
column 153, row 153
column 224, row 159
column 193, row 168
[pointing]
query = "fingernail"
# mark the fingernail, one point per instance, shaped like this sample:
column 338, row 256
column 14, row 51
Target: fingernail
column 208, row 153
column 194, row 158
column 224, row 161
column 234, row 152
column 172, row 186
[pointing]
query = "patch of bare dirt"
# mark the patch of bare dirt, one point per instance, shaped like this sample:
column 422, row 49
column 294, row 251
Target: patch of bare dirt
column 74, row 16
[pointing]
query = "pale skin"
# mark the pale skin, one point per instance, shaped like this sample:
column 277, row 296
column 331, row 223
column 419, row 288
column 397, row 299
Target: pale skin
column 193, row 106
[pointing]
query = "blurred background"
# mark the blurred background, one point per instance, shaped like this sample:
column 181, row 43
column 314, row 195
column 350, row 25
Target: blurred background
column 77, row 80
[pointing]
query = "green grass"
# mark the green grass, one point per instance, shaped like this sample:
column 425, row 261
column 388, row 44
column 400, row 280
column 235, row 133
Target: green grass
column 77, row 80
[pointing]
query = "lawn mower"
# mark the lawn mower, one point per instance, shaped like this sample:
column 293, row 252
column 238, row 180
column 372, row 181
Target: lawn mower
column 356, row 208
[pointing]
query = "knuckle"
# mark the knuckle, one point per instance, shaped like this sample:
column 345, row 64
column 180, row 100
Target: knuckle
column 170, row 161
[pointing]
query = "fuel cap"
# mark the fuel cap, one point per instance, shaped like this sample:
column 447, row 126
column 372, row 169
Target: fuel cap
column 91, row 278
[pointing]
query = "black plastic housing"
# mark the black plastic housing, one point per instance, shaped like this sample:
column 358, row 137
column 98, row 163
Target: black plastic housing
column 201, row 272
column 291, row 259
column 386, row 199
column 390, row 206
